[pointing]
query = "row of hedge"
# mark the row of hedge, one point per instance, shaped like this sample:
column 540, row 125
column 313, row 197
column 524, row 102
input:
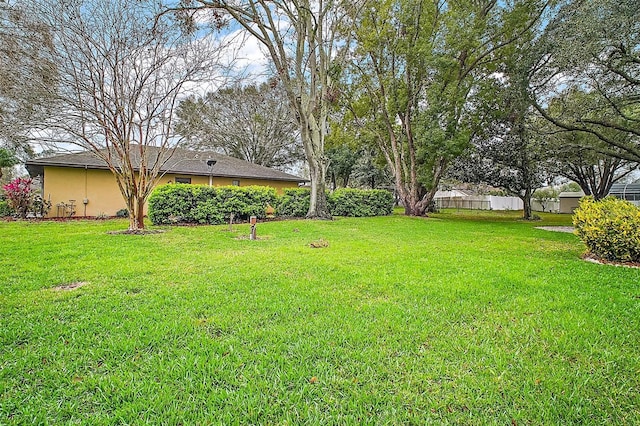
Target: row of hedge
column 204, row 204
column 215, row 205
column 342, row 202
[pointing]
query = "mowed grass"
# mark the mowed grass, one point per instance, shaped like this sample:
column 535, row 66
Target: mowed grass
column 461, row 318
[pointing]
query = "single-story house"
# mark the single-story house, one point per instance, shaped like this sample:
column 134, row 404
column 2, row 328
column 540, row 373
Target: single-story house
column 81, row 184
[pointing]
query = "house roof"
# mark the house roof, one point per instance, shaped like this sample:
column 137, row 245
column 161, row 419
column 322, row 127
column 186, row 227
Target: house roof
column 181, row 161
column 578, row 194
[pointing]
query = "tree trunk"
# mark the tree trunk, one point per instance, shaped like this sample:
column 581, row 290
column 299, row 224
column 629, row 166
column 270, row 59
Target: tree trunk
column 133, row 220
column 136, row 213
column 527, row 211
column 318, row 207
column 140, row 213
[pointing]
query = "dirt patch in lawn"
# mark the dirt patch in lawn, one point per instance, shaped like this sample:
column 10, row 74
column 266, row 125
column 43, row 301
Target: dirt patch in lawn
column 137, row 232
column 70, row 286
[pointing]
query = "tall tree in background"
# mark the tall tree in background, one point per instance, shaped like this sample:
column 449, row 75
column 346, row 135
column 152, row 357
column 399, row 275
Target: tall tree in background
column 593, row 48
column 27, row 70
column 415, row 67
column 576, row 156
column 301, row 39
column 509, row 150
column 121, row 73
column 7, row 159
column 252, row 122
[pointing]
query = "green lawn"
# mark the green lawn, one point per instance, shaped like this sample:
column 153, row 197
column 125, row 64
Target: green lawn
column 462, row 318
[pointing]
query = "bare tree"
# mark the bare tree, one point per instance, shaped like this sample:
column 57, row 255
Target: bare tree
column 301, row 39
column 251, row 122
column 26, row 70
column 122, row 72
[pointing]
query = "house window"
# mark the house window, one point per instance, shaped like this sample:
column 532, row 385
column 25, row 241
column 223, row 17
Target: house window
column 183, row 180
column 235, row 183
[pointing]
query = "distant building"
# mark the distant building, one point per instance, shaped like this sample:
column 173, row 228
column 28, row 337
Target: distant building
column 464, row 199
column 569, row 201
column 627, row 191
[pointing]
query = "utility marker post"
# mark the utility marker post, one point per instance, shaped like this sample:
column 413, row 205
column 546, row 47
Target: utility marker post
column 253, row 221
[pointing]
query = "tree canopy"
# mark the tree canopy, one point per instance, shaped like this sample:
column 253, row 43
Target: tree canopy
column 251, row 122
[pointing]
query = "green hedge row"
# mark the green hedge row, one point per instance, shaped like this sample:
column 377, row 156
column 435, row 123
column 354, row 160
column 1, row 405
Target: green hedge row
column 342, row 202
column 360, row 202
column 214, row 205
column 610, row 228
column 294, row 202
column 203, row 204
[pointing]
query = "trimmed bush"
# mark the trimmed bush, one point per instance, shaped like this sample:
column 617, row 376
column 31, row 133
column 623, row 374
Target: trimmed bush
column 122, row 213
column 610, row 228
column 294, row 202
column 360, row 202
column 5, row 209
column 172, row 204
column 212, row 205
column 208, row 212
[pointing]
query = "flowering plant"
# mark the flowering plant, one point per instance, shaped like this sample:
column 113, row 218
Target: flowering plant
column 20, row 195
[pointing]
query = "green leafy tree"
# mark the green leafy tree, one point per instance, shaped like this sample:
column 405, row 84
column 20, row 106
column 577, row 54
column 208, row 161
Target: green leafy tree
column 415, row 69
column 592, row 51
column 578, row 156
column 510, row 151
column 7, row 159
column 545, row 195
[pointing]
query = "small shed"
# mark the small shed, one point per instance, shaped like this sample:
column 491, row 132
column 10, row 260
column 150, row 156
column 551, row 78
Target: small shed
column 569, row 201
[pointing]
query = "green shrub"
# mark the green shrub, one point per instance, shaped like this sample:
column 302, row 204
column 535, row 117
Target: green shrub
column 203, row 204
column 294, row 202
column 360, row 202
column 257, row 198
column 5, row 209
column 610, row 228
column 171, row 204
column 208, row 212
column 122, row 213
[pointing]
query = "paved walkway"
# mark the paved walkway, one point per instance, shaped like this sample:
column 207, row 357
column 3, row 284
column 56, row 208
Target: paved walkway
column 567, row 229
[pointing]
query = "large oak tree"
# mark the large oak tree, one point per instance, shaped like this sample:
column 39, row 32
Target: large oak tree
column 250, row 122
column 416, row 66
column 593, row 48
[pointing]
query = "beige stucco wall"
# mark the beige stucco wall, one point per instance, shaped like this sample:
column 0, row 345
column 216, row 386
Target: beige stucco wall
column 568, row 205
column 100, row 190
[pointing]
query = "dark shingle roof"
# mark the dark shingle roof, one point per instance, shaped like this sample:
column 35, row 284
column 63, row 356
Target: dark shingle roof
column 182, row 161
